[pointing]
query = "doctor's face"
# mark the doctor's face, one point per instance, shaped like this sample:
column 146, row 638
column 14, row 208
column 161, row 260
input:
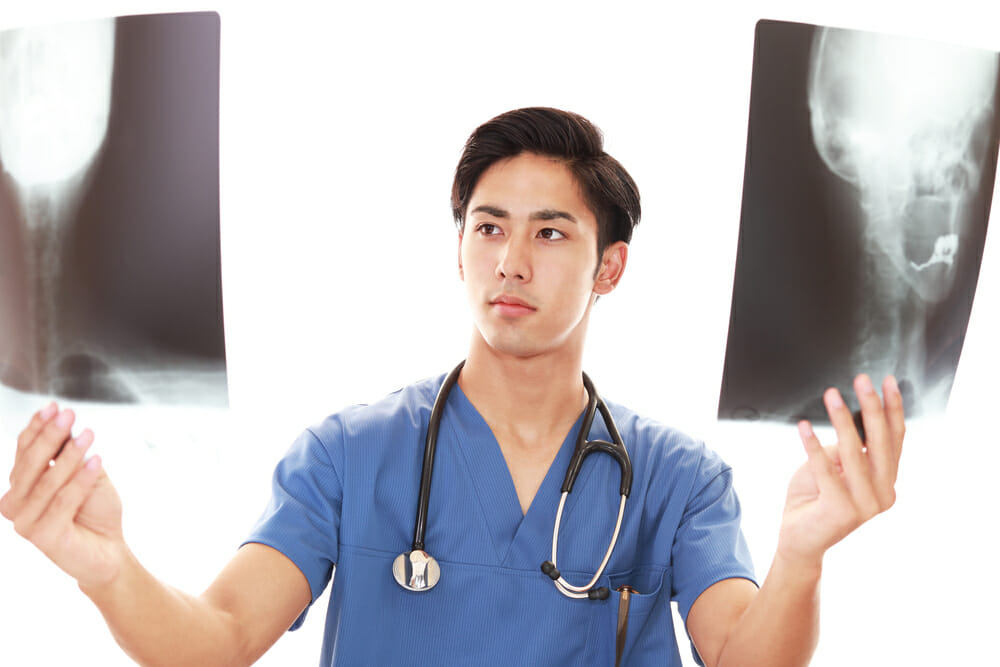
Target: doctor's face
column 527, row 256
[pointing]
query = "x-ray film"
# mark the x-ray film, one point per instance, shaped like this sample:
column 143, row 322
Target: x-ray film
column 110, row 286
column 870, row 168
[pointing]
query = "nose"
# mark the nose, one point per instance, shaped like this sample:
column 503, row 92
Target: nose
column 514, row 262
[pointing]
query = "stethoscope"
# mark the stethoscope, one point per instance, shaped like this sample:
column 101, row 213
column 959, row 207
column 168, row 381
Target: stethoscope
column 416, row 570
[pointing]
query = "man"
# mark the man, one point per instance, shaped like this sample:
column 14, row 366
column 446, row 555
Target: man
column 544, row 218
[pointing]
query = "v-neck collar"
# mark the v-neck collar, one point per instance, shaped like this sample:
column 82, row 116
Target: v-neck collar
column 517, row 539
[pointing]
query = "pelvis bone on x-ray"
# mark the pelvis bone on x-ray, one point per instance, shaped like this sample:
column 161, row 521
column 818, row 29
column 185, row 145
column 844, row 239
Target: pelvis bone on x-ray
column 871, row 161
column 109, row 210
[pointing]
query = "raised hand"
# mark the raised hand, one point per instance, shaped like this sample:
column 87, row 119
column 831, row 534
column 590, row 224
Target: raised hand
column 63, row 504
column 841, row 487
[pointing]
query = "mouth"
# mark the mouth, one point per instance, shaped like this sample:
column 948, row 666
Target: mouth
column 511, row 306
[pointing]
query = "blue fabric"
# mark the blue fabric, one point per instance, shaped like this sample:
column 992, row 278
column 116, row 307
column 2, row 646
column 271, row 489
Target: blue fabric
column 346, row 494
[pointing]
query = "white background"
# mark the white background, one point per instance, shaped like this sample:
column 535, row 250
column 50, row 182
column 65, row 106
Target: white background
column 340, row 129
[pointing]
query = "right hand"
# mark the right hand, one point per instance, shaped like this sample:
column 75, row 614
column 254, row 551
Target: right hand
column 68, row 509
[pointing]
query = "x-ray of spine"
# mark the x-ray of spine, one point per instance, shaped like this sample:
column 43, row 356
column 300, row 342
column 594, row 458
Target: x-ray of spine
column 871, row 161
column 110, row 284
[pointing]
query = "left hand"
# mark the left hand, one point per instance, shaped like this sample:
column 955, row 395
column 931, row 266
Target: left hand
column 841, row 487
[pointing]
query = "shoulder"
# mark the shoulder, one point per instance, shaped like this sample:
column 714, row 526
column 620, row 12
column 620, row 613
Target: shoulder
column 651, row 440
column 666, row 456
column 406, row 409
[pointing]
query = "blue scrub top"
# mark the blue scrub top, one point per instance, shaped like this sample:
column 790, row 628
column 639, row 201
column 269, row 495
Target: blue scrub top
column 345, row 496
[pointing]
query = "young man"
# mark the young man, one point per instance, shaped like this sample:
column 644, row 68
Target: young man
column 544, row 218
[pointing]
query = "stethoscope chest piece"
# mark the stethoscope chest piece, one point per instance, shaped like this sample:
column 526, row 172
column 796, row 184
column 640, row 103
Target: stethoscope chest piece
column 416, row 570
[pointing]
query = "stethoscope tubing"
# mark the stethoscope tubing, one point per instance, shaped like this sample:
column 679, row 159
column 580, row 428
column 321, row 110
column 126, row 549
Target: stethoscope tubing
column 430, row 448
column 416, row 570
column 564, row 586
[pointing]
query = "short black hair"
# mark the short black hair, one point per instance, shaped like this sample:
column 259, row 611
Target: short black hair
column 607, row 188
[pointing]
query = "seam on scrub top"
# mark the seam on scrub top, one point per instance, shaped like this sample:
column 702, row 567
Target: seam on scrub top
column 526, row 572
column 500, row 553
column 329, row 458
column 692, row 496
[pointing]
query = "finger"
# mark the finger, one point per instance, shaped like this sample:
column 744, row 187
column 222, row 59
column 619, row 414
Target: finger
column 842, row 421
column 834, row 455
column 857, row 471
column 54, row 478
column 895, row 419
column 824, row 468
column 64, row 507
column 24, row 439
column 872, row 414
column 38, row 421
column 882, row 453
column 35, row 457
column 892, row 448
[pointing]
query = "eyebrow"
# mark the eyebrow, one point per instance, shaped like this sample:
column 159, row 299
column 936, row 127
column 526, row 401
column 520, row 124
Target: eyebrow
column 544, row 214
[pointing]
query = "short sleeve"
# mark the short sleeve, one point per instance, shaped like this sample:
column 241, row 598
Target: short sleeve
column 709, row 545
column 302, row 518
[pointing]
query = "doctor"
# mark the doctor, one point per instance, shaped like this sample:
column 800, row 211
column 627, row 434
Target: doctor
column 545, row 217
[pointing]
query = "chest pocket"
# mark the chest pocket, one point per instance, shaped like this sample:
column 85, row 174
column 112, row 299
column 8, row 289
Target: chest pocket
column 513, row 617
column 649, row 637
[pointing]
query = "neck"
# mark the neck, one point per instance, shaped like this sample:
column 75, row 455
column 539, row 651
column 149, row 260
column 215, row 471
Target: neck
column 528, row 397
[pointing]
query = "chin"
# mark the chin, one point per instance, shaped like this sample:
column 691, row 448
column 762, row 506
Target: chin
column 519, row 349
column 516, row 344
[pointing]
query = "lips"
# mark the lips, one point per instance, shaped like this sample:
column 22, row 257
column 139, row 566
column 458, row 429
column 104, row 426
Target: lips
column 511, row 306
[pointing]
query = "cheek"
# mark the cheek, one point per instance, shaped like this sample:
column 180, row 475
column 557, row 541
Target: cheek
column 472, row 263
column 578, row 272
column 571, row 287
column 466, row 258
column 477, row 266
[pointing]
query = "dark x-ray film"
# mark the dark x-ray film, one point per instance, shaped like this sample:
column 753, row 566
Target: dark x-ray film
column 110, row 284
column 870, row 167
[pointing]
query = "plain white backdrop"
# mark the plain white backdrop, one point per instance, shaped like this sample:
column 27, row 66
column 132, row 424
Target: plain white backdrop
column 340, row 129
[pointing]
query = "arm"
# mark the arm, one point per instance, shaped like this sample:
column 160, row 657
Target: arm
column 72, row 513
column 837, row 490
column 247, row 608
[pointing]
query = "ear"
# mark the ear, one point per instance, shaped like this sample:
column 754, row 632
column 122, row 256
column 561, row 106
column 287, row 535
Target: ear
column 611, row 268
column 461, row 272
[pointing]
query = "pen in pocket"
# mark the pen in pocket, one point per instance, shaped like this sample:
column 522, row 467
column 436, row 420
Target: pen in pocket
column 623, row 604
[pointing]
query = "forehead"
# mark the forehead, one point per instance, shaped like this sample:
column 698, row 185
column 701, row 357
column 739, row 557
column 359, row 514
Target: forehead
column 529, row 182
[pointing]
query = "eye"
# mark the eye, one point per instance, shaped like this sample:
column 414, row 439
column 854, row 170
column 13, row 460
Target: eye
column 550, row 234
column 488, row 229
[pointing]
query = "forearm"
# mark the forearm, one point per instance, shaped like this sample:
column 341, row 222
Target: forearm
column 156, row 624
column 780, row 627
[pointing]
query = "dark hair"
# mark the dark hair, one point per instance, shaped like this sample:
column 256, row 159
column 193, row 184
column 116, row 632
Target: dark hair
column 607, row 188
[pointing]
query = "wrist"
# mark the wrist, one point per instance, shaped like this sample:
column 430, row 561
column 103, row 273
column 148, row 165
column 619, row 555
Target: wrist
column 797, row 567
column 120, row 567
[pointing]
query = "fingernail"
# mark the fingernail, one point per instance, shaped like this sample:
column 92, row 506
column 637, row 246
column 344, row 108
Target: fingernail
column 805, row 429
column 48, row 411
column 65, row 418
column 865, row 385
column 85, row 439
column 94, row 463
column 891, row 381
